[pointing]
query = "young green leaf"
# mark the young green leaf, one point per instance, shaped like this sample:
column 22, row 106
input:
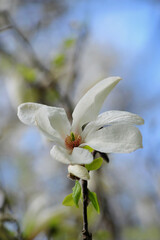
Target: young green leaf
column 95, row 164
column 69, row 42
column 93, row 198
column 59, row 60
column 88, row 148
column 76, row 193
column 29, row 74
column 68, row 200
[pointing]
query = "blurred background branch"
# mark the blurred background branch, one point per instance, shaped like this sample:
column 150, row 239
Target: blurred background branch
column 5, row 28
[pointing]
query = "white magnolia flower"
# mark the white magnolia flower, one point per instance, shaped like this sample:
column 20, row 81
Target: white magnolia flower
column 111, row 131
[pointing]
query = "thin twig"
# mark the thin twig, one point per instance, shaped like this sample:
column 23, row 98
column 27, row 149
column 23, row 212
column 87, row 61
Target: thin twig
column 9, row 218
column 5, row 28
column 85, row 233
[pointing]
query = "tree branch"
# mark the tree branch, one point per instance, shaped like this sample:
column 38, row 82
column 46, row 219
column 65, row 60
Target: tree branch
column 86, row 234
column 5, row 28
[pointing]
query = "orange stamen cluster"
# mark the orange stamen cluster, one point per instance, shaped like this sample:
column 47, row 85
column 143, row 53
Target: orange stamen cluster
column 74, row 140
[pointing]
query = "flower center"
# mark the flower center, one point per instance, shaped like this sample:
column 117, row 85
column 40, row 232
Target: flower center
column 74, row 140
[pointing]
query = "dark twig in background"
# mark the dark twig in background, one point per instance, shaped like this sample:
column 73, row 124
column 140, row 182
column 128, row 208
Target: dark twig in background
column 5, row 28
column 5, row 216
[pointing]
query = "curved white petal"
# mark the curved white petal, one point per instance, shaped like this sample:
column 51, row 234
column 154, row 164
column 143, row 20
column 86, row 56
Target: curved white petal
column 79, row 171
column 78, row 155
column 27, row 112
column 59, row 121
column 111, row 118
column 54, row 118
column 60, row 154
column 43, row 123
column 115, row 138
column 81, row 156
column 90, row 104
column 52, row 121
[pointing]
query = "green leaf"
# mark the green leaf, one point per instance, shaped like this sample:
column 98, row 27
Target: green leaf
column 93, row 198
column 69, row 42
column 73, row 198
column 30, row 95
column 95, row 164
column 76, row 193
column 68, row 200
column 29, row 74
column 51, row 95
column 59, row 60
column 88, row 148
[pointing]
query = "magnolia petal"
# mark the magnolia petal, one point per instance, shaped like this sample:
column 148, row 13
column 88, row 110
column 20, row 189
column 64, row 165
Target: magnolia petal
column 78, row 155
column 27, row 111
column 30, row 114
column 79, row 171
column 43, row 123
column 116, row 138
column 81, row 156
column 110, row 118
column 90, row 104
column 59, row 121
column 52, row 119
column 60, row 154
